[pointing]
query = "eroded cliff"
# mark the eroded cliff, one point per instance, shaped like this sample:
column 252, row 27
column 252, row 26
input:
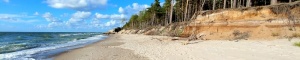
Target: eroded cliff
column 265, row 22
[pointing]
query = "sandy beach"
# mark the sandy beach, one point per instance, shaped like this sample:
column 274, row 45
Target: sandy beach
column 143, row 47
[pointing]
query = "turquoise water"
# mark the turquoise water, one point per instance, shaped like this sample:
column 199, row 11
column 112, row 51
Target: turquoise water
column 42, row 45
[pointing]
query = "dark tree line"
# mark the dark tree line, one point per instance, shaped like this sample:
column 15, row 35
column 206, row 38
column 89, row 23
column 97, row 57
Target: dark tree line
column 185, row 10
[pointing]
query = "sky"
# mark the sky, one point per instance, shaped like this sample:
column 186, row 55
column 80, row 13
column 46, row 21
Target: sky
column 67, row 15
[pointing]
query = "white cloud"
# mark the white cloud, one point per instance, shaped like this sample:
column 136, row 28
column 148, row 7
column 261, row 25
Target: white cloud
column 83, row 19
column 78, row 19
column 101, row 16
column 16, row 18
column 110, row 23
column 55, row 24
column 135, row 8
column 81, row 15
column 36, row 13
column 121, row 10
column 117, row 16
column 6, row 1
column 111, row 17
column 82, row 5
column 48, row 16
column 115, row 20
column 64, row 15
column 8, row 17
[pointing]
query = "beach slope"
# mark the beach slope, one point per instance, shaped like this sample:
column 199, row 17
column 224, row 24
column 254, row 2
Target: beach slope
column 143, row 47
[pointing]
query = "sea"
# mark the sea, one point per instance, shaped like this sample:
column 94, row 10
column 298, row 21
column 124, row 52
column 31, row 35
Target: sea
column 43, row 45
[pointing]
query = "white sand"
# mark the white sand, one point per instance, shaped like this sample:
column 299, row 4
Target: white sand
column 143, row 45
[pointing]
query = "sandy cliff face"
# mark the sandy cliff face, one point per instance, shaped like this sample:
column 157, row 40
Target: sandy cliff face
column 266, row 22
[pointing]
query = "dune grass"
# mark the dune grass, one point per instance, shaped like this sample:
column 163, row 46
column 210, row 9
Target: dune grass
column 297, row 44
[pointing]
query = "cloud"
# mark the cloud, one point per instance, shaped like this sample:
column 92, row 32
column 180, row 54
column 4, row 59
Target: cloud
column 78, row 19
column 121, row 10
column 117, row 16
column 48, row 16
column 85, row 19
column 16, row 18
column 115, row 20
column 79, row 16
column 81, row 5
column 8, row 17
column 134, row 8
column 110, row 23
column 53, row 22
column 36, row 13
column 6, row 1
column 64, row 15
column 101, row 16
column 110, row 17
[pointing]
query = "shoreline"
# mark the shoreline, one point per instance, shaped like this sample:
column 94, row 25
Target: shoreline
column 144, row 47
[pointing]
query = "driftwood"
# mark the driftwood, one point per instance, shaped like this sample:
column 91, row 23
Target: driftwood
column 170, row 39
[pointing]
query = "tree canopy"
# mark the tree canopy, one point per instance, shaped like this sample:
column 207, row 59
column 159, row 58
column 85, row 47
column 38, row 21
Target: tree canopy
column 184, row 10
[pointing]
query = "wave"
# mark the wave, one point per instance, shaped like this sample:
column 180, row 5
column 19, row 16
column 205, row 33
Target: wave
column 16, row 47
column 28, row 53
column 64, row 35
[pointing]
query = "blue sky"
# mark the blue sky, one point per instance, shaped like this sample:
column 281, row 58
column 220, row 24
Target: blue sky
column 67, row 15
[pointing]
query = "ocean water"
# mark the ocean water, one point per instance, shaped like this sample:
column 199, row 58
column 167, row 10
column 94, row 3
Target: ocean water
column 42, row 45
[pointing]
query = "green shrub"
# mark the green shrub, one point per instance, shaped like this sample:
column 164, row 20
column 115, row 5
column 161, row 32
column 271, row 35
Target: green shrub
column 297, row 44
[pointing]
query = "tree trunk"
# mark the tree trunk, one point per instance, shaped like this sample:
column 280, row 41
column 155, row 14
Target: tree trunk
column 224, row 6
column 234, row 4
column 171, row 12
column 203, row 5
column 214, row 4
column 273, row 2
column 188, row 12
column 231, row 3
column 186, row 7
column 248, row 3
column 166, row 18
column 241, row 4
column 153, row 18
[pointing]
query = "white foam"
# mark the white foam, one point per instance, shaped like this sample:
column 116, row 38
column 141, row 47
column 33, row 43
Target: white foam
column 26, row 54
column 63, row 35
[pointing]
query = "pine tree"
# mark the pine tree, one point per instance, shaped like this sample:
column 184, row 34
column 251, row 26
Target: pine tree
column 167, row 9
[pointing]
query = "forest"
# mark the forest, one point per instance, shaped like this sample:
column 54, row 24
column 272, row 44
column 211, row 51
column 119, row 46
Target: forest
column 174, row 11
